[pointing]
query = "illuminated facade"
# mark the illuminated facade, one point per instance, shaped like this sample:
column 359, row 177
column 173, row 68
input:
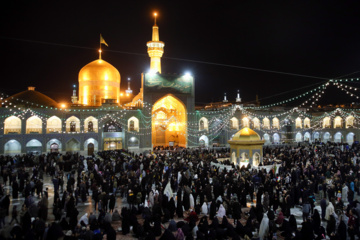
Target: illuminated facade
column 163, row 113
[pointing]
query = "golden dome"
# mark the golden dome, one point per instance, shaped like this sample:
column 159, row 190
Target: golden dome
column 246, row 134
column 98, row 80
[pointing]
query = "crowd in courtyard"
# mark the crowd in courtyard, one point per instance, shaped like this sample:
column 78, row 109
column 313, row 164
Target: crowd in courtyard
column 181, row 193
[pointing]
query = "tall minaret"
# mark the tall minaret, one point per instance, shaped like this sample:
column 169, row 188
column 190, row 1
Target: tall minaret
column 155, row 49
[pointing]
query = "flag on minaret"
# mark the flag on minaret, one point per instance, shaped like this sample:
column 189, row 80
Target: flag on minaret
column 102, row 41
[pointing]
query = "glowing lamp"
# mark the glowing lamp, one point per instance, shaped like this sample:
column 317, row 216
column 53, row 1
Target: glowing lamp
column 63, row 105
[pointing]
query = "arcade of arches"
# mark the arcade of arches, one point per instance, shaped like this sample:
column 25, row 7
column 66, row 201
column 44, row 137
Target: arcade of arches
column 169, row 122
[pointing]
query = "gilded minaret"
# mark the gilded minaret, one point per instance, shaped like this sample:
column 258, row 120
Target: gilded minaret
column 155, row 49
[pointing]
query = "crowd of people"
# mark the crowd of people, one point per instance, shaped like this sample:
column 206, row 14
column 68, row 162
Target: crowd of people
column 178, row 193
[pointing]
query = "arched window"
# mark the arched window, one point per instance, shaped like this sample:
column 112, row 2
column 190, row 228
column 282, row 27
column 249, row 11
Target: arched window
column 234, row 123
column 12, row 125
column 307, row 123
column 203, row 124
column 326, row 122
column 349, row 121
column 33, row 125
column 298, row 123
column 133, row 124
column 53, row 125
column 245, row 122
column 276, row 123
column 72, row 124
column 91, row 124
column 298, row 137
column 266, row 123
column 338, row 122
column 256, row 123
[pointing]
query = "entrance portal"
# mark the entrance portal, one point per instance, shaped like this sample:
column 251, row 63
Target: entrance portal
column 90, row 149
column 169, row 127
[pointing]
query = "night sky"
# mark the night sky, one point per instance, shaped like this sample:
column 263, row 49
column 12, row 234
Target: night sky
column 46, row 44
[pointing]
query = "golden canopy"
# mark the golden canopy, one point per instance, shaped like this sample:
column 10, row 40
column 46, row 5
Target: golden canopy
column 98, row 80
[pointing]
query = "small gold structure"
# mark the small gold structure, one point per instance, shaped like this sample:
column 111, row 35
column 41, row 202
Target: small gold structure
column 246, row 147
column 155, row 49
column 169, row 120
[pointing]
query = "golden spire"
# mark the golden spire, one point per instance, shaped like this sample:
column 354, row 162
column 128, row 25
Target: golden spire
column 155, row 48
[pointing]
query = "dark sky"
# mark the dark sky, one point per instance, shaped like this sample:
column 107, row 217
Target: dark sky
column 315, row 38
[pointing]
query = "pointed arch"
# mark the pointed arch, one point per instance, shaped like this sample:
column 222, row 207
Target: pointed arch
column 276, row 138
column 234, row 123
column 326, row 122
column 204, row 141
column 349, row 121
column 298, row 123
column 12, row 147
column 307, row 123
column 275, row 123
column 203, row 124
column 338, row 137
column 72, row 124
column 54, row 145
column 133, row 124
column 169, row 128
column 33, row 125
column 245, row 122
column 12, row 124
column 298, row 137
column 307, row 137
column 91, row 124
column 350, row 138
column 338, row 122
column 53, row 125
column 256, row 123
column 326, row 137
column 73, row 145
column 266, row 123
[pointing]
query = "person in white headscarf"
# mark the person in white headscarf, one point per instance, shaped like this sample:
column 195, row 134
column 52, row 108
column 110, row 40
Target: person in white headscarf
column 264, row 227
column 85, row 219
column 168, row 191
column 204, row 209
column 329, row 211
column 192, row 201
column 222, row 212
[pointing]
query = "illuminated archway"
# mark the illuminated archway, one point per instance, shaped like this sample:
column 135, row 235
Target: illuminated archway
column 133, row 124
column 307, row 137
column 349, row 121
column 72, row 124
column 275, row 123
column 298, row 123
column 91, row 124
column 298, row 137
column 234, row 123
column 338, row 137
column 256, row 123
column 276, row 138
column 169, row 122
column 326, row 137
column 203, row 124
column 326, row 122
column 307, row 123
column 12, row 147
column 266, row 123
column 12, row 125
column 53, row 124
column 33, row 125
column 350, row 138
column 245, row 122
column 338, row 122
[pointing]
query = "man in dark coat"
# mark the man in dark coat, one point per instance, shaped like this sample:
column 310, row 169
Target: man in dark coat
column 15, row 189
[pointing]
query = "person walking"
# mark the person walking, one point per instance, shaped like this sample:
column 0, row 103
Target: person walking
column 14, row 215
